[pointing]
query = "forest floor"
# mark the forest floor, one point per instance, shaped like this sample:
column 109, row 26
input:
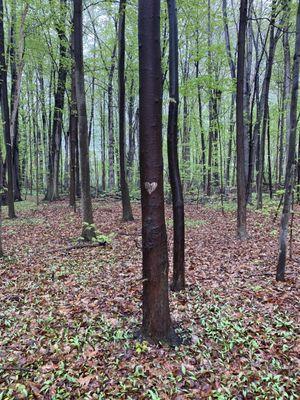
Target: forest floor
column 68, row 315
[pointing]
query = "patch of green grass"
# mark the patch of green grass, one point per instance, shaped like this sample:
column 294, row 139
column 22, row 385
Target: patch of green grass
column 22, row 221
column 189, row 223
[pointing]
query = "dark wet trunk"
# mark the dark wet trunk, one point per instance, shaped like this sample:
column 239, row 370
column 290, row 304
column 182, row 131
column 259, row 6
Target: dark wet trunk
column 88, row 230
column 156, row 312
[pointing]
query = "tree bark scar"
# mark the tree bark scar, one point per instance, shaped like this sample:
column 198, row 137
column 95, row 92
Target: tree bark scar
column 150, row 187
column 153, row 234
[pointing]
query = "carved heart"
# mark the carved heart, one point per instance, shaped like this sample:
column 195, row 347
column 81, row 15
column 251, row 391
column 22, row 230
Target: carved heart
column 150, row 187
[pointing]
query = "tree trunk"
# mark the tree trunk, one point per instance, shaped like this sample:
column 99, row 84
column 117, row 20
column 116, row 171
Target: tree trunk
column 240, row 131
column 73, row 136
column 110, row 121
column 6, row 119
column 265, row 105
column 232, row 68
column 290, row 167
column 103, row 145
column 55, row 146
column 156, row 312
column 88, row 230
column 17, row 64
column 126, row 206
column 131, row 133
column 175, row 182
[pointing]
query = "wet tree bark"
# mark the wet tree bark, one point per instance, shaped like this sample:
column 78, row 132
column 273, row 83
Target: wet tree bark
column 241, row 179
column 290, row 167
column 157, row 323
column 126, row 206
column 88, row 230
column 176, row 187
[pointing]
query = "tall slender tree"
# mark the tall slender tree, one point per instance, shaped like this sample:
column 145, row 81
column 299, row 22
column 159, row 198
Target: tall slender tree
column 176, row 187
column 6, row 119
column 291, row 164
column 88, row 231
column 157, row 323
column 59, row 101
column 126, row 206
column 240, row 131
column 73, row 137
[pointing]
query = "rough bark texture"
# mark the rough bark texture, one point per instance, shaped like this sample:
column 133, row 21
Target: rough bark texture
column 156, row 312
column 290, row 167
column 176, row 187
column 126, row 206
column 240, row 131
column 88, row 231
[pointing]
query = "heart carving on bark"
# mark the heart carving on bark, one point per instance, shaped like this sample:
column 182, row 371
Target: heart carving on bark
column 150, row 187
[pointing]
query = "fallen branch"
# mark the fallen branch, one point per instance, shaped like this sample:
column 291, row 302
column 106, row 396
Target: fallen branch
column 86, row 245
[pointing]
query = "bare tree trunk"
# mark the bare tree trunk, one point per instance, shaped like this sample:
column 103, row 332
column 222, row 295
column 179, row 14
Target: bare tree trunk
column 156, row 312
column 55, row 147
column 126, row 206
column 111, row 138
column 88, row 230
column 232, row 67
column 176, row 187
column 290, row 167
column 241, row 179
column 202, row 138
column 131, row 132
column 265, row 104
column 103, row 145
column 210, row 105
column 17, row 64
column 73, row 136
column 1, row 196
column 6, row 119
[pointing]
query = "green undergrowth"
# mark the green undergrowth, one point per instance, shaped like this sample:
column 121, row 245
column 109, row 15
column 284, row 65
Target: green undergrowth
column 89, row 353
column 189, row 223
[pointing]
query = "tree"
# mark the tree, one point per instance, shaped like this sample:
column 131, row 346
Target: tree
column 88, row 231
column 176, row 187
column 17, row 65
column 157, row 323
column 265, row 104
column 241, row 179
column 6, row 119
column 126, row 206
column 291, row 165
column 73, row 137
column 55, row 147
